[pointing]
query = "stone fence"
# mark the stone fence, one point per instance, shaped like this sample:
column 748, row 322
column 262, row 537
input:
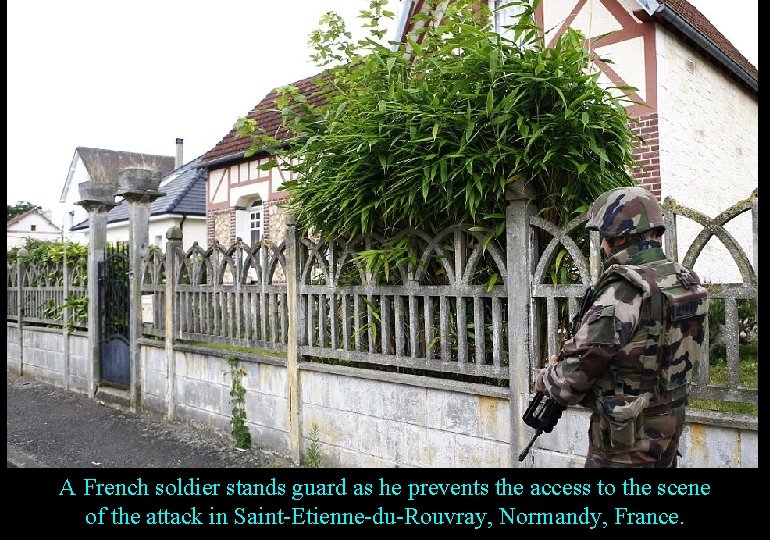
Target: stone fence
column 430, row 366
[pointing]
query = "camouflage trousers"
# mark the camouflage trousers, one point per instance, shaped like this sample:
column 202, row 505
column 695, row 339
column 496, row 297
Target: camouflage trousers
column 655, row 445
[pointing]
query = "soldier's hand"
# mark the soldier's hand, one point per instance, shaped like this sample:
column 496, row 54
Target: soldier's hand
column 553, row 360
column 539, row 386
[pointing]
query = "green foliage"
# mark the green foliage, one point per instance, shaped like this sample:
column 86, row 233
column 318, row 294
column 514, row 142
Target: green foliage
column 313, row 456
column 44, row 267
column 48, row 257
column 434, row 133
column 21, row 207
column 239, row 430
column 747, row 320
column 77, row 305
column 748, row 377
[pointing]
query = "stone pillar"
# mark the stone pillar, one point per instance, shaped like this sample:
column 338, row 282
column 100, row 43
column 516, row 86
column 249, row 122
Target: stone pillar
column 20, row 304
column 519, row 265
column 139, row 187
column 65, row 319
column 98, row 198
column 755, row 257
column 173, row 243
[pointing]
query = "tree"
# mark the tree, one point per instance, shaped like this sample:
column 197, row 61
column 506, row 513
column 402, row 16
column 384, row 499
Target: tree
column 20, row 207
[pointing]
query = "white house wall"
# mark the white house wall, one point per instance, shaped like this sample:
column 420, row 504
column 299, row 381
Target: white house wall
column 20, row 231
column 594, row 19
column 194, row 229
column 60, row 214
column 709, row 150
column 244, row 180
column 627, row 61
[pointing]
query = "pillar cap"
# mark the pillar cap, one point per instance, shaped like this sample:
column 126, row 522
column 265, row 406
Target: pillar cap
column 518, row 189
column 139, row 183
column 98, row 192
column 174, row 233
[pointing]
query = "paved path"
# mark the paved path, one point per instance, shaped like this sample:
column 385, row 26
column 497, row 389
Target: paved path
column 50, row 427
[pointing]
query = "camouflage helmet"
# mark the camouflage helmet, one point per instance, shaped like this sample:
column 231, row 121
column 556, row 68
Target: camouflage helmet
column 625, row 211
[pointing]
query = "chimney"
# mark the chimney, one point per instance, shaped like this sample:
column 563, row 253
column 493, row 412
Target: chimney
column 178, row 162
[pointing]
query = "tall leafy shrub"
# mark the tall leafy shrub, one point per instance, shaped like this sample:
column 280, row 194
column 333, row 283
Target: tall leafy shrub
column 433, row 131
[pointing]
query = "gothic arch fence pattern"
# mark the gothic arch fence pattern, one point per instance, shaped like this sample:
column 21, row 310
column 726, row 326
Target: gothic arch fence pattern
column 446, row 311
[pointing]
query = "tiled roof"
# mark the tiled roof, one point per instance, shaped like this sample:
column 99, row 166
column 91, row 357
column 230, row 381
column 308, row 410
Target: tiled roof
column 703, row 26
column 268, row 118
column 185, row 193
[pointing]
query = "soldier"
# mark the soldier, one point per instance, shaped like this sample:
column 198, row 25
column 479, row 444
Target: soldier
column 632, row 356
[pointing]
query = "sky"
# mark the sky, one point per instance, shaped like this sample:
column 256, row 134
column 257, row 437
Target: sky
column 134, row 76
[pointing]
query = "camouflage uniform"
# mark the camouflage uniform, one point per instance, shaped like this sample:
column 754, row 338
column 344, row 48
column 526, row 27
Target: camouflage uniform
column 632, row 356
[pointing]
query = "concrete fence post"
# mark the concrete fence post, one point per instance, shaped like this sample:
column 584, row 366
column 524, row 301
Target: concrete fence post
column 98, row 198
column 65, row 319
column 20, row 304
column 519, row 264
column 173, row 243
column 755, row 252
column 292, row 344
column 139, row 187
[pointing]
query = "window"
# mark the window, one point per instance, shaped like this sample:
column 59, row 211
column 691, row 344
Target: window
column 255, row 222
column 33, row 228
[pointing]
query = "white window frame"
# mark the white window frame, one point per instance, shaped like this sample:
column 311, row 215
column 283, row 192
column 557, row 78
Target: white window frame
column 255, row 215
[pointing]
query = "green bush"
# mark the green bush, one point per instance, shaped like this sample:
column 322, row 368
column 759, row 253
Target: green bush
column 429, row 134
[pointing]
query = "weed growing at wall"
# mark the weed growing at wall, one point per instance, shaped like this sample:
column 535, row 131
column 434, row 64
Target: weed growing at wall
column 313, row 456
column 238, row 400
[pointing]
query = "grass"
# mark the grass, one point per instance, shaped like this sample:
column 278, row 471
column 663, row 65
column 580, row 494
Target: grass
column 724, row 406
column 748, row 378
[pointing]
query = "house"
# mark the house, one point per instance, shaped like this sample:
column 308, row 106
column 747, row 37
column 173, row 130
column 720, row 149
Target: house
column 183, row 205
column 242, row 197
column 31, row 224
column 100, row 165
column 696, row 109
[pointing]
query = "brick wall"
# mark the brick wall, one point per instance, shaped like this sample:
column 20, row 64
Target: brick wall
column 647, row 153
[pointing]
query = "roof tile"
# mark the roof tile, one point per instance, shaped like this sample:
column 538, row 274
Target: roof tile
column 268, row 118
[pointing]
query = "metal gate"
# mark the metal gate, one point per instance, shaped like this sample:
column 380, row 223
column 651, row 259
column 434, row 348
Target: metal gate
column 114, row 316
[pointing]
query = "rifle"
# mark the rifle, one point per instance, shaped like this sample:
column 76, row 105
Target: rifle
column 543, row 411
